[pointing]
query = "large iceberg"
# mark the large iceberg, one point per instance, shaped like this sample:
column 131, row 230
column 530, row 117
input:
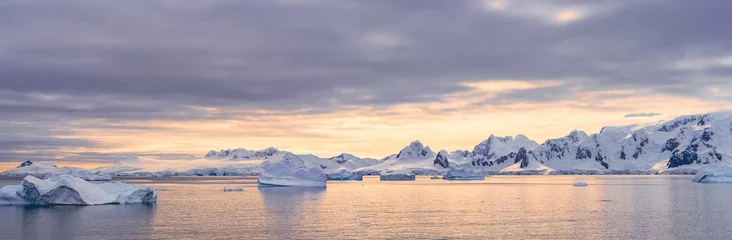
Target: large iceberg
column 403, row 175
column 69, row 190
column 290, row 171
column 464, row 172
column 716, row 174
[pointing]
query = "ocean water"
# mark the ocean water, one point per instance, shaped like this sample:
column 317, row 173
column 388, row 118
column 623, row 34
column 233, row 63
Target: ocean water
column 501, row 207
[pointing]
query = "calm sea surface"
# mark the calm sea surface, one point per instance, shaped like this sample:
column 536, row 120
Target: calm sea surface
column 501, row 207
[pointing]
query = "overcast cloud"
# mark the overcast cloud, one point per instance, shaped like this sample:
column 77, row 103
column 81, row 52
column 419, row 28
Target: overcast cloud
column 62, row 61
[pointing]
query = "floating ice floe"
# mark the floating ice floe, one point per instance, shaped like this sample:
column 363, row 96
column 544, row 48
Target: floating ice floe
column 70, row 190
column 580, row 184
column 290, row 171
column 403, row 175
column 236, row 189
column 464, row 172
column 716, row 174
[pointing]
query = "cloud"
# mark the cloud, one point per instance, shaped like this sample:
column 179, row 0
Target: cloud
column 138, row 61
column 634, row 115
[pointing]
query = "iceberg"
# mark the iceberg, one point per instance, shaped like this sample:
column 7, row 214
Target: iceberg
column 236, row 189
column 717, row 174
column 290, row 171
column 580, row 184
column 390, row 175
column 70, row 190
column 9, row 195
column 464, row 172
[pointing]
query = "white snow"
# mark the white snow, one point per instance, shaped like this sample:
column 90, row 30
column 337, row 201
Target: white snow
column 49, row 169
column 291, row 171
column 69, row 190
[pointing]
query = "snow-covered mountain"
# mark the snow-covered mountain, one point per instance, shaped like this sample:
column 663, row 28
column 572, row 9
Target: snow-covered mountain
column 680, row 145
column 43, row 169
column 415, row 157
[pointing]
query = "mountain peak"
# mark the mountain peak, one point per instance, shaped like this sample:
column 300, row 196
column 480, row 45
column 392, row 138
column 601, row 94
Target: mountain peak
column 415, row 150
column 26, row 163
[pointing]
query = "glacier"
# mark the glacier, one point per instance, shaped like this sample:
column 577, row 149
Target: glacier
column 70, row 190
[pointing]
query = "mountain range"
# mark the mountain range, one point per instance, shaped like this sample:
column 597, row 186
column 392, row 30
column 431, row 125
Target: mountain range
column 678, row 146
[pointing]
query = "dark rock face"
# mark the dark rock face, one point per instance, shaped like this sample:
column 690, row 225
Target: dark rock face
column 25, row 164
column 583, row 153
column 601, row 160
column 684, row 158
column 676, row 124
column 671, row 144
column 442, row 161
column 522, row 157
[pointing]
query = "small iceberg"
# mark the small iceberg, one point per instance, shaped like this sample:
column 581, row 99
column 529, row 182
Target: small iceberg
column 237, row 189
column 403, row 175
column 715, row 174
column 464, row 172
column 580, row 184
column 70, row 190
column 290, row 171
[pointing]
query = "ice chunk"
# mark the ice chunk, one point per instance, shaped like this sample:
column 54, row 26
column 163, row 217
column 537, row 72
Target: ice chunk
column 9, row 195
column 235, row 189
column 464, row 172
column 390, row 175
column 713, row 174
column 69, row 190
column 580, row 184
column 290, row 171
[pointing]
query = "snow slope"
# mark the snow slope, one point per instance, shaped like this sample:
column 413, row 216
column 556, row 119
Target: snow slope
column 415, row 158
column 48, row 169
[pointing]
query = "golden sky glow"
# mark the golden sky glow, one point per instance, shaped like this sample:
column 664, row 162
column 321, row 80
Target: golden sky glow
column 457, row 122
column 568, row 15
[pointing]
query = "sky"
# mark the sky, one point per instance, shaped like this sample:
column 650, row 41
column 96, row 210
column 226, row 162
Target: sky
column 94, row 81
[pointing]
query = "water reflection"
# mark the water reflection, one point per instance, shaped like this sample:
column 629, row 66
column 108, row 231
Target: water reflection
column 289, row 210
column 77, row 222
